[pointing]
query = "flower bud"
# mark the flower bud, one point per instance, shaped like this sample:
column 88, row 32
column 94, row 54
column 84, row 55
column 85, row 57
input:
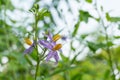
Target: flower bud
column 36, row 6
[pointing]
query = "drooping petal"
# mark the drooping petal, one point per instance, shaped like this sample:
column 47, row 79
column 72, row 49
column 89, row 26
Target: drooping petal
column 29, row 50
column 46, row 44
column 56, row 57
column 50, row 55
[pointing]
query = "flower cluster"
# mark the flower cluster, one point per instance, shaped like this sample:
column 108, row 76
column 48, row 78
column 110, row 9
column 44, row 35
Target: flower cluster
column 50, row 43
column 52, row 46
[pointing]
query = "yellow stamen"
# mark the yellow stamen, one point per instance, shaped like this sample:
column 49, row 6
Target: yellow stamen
column 57, row 47
column 27, row 41
column 56, row 37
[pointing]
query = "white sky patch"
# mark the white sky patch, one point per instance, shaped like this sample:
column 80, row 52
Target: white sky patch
column 111, row 5
column 74, row 5
column 90, row 27
column 66, row 48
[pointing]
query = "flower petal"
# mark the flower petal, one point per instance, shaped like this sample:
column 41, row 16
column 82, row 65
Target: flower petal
column 56, row 57
column 50, row 55
column 46, row 44
column 29, row 50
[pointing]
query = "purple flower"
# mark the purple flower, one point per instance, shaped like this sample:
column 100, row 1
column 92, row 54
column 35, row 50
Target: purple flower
column 52, row 46
column 30, row 49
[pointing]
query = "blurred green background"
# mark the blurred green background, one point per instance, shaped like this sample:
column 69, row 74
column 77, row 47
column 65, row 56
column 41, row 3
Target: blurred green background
column 92, row 31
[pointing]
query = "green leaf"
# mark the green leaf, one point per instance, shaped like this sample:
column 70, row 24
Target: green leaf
column 95, row 46
column 7, row 4
column 89, row 1
column 116, row 53
column 92, row 46
column 84, row 15
column 71, row 46
column 117, row 37
column 97, row 19
column 83, row 36
column 36, row 6
column 33, row 55
column 34, row 9
column 64, row 58
column 112, row 19
column 28, row 60
column 107, row 16
column 76, row 28
column 106, row 74
column 109, row 43
column 42, row 13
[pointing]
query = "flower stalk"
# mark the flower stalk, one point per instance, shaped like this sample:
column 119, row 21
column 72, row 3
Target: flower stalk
column 50, row 44
column 35, row 38
column 36, row 47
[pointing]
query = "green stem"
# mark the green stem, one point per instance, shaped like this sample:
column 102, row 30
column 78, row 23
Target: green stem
column 38, row 62
column 37, row 67
column 36, row 47
column 39, row 58
column 109, row 53
column 107, row 40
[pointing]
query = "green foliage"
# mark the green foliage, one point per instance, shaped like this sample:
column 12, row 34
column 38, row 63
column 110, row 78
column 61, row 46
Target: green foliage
column 95, row 46
column 84, row 16
column 76, row 29
column 117, row 37
column 43, row 13
column 6, row 4
column 89, row 1
column 116, row 53
column 112, row 19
